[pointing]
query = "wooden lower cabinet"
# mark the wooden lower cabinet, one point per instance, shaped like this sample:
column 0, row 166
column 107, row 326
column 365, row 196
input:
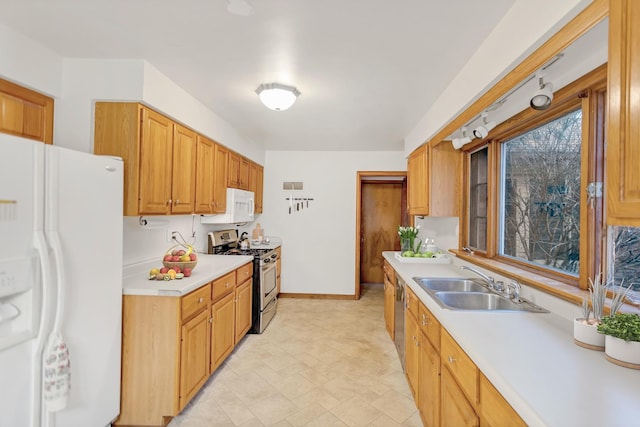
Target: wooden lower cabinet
column 194, row 356
column 429, row 383
column 448, row 388
column 171, row 345
column 243, row 300
column 455, row 408
column 222, row 329
column 389, row 307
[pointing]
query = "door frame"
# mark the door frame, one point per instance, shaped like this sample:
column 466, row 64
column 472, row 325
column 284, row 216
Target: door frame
column 369, row 176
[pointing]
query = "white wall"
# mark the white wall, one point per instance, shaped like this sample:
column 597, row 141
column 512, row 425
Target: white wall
column 29, row 64
column 318, row 243
column 524, row 28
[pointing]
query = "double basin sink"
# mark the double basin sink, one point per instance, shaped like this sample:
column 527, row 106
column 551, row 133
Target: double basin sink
column 458, row 293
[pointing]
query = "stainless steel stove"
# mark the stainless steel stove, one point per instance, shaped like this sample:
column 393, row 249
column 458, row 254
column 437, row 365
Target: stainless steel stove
column 226, row 242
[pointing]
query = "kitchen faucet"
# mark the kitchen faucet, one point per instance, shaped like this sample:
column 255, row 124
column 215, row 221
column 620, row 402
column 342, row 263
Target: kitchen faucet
column 490, row 280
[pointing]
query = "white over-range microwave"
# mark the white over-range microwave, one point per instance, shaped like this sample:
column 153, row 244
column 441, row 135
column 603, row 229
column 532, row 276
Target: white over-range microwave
column 240, row 208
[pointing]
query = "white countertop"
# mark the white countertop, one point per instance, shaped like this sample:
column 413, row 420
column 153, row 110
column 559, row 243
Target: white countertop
column 136, row 277
column 532, row 360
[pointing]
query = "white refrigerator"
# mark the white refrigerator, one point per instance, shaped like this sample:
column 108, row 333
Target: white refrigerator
column 60, row 286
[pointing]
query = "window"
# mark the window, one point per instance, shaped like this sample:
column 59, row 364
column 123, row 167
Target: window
column 540, row 189
column 478, row 185
column 527, row 206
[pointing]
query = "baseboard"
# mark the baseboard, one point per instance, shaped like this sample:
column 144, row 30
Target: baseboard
column 317, row 296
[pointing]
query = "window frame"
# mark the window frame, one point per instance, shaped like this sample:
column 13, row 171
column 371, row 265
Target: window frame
column 589, row 94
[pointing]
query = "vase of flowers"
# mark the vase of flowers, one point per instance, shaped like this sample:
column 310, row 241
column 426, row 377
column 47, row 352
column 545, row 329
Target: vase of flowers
column 408, row 236
column 622, row 339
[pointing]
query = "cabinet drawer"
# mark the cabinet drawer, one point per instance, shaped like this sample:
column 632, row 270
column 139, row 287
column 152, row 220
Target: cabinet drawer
column 244, row 273
column 223, row 285
column 462, row 368
column 195, row 301
column 411, row 301
column 429, row 325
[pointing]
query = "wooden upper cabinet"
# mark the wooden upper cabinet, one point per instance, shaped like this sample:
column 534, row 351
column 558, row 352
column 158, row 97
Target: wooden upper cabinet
column 156, row 162
column 417, row 184
column 243, row 176
column 220, row 179
column 233, row 170
column 205, row 166
column 183, row 186
column 25, row 113
column 623, row 134
column 434, row 177
column 256, row 177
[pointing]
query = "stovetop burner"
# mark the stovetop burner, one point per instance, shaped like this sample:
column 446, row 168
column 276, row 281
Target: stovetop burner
column 251, row 252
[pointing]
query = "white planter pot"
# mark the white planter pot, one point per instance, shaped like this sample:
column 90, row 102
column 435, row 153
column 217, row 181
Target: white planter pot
column 587, row 336
column 623, row 353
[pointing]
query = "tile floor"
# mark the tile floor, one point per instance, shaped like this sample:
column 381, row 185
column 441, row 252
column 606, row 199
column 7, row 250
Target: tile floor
column 320, row 363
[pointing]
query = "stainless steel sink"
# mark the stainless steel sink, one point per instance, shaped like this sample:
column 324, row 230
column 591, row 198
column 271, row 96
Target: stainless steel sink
column 454, row 284
column 484, row 301
column 459, row 293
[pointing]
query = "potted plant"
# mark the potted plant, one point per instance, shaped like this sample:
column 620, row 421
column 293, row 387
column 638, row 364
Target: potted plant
column 585, row 332
column 622, row 339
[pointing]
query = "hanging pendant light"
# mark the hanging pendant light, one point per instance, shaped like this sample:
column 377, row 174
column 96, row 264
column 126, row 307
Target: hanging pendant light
column 276, row 96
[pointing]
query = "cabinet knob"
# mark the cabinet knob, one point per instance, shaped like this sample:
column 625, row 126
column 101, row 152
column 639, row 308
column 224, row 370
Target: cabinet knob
column 226, row 285
column 425, row 321
column 211, row 320
column 177, row 202
column 451, row 359
column 169, row 202
column 200, row 300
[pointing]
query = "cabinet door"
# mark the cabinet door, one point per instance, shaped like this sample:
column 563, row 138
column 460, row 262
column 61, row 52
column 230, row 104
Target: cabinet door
column 243, row 309
column 184, row 170
column 25, row 113
column 194, row 356
column 411, row 337
column 494, row 410
column 417, row 184
column 156, row 160
column 222, row 330
column 255, row 184
column 259, row 189
column 243, row 174
column 205, row 165
column 455, row 408
column 220, row 179
column 623, row 127
column 445, row 180
column 389, row 305
column 429, row 383
column 233, row 170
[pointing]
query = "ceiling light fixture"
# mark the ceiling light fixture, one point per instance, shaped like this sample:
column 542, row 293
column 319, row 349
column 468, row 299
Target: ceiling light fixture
column 276, row 96
column 458, row 143
column 239, row 7
column 483, row 130
column 541, row 100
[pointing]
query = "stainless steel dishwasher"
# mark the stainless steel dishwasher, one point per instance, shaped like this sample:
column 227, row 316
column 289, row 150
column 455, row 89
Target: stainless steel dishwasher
column 398, row 312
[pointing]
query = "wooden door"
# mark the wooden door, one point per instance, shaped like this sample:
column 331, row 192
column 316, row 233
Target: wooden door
column 220, row 179
column 429, row 383
column 205, row 165
column 194, row 356
column 156, row 160
column 243, row 309
column 184, row 170
column 222, row 329
column 381, row 215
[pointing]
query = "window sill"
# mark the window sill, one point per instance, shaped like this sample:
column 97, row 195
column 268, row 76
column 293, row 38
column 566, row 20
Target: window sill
column 556, row 288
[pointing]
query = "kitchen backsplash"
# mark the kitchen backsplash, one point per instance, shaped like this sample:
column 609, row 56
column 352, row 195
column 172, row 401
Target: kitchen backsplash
column 443, row 231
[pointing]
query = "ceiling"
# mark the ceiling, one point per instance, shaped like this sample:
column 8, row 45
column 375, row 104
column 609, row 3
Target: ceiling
column 368, row 70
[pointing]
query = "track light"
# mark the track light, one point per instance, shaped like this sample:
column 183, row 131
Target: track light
column 459, row 142
column 541, row 100
column 483, row 130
